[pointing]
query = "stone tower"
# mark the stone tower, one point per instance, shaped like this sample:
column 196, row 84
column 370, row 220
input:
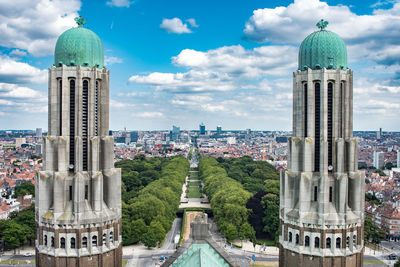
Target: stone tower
column 78, row 191
column 322, row 191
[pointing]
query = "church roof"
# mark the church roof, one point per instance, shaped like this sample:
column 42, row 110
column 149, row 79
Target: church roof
column 200, row 255
column 322, row 49
column 79, row 46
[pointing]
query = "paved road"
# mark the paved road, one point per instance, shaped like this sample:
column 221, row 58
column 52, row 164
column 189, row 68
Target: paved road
column 169, row 239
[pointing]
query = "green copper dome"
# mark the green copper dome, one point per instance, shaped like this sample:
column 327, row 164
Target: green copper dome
column 79, row 46
column 322, row 49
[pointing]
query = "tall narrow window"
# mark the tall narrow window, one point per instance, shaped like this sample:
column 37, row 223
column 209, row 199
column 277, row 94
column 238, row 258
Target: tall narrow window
column 45, row 240
column 104, row 239
column 328, row 242
column 341, row 110
column 94, row 241
column 316, row 242
column 52, row 241
column 317, row 126
column 347, row 241
column 307, row 241
column 73, row 242
column 330, row 194
column 60, row 104
column 297, row 239
column 62, row 242
column 86, row 191
column 305, row 110
column 354, row 240
column 70, row 192
column 85, row 98
column 96, row 110
column 330, row 124
column 72, row 124
column 315, row 193
column 338, row 242
column 84, row 242
column 290, row 237
column 111, row 237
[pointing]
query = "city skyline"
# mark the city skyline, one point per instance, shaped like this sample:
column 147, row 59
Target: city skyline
column 183, row 63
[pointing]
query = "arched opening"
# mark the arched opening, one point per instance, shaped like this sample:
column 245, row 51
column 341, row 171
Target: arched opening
column 84, row 242
column 94, row 241
column 96, row 110
column 338, row 242
column 45, row 240
column 354, row 240
column 341, row 109
column 297, row 239
column 316, row 242
column 52, row 241
column 328, row 242
column 104, row 239
column 60, row 105
column 307, row 241
column 348, row 241
column 62, row 242
column 73, row 242
column 290, row 237
column 317, row 126
column 111, row 237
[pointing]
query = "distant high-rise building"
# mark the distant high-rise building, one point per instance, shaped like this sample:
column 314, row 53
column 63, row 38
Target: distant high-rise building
column 379, row 160
column 380, row 132
column 78, row 190
column 219, row 130
column 398, row 159
column 134, row 136
column 175, row 133
column 202, row 129
column 322, row 190
column 378, row 135
column 39, row 132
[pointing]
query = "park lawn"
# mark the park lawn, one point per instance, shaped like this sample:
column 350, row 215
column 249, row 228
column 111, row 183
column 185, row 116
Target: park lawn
column 194, row 192
column 193, row 175
column 124, row 262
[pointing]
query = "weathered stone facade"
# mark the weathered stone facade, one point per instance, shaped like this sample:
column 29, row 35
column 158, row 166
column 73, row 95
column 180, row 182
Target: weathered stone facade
column 78, row 190
column 322, row 191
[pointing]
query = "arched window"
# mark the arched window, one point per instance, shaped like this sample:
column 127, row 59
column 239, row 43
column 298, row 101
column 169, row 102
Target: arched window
column 317, row 125
column 328, row 242
column 62, row 242
column 348, row 241
column 52, row 241
column 330, row 123
column 354, row 240
column 85, row 112
column 73, row 242
column 111, row 237
column 45, row 240
column 307, row 241
column 84, row 242
column 338, row 242
column 297, row 239
column 104, row 239
column 316, row 242
column 72, row 123
column 290, row 237
column 341, row 109
column 94, row 241
column 305, row 110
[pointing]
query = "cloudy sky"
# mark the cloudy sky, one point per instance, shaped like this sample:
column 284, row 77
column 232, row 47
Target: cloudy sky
column 182, row 62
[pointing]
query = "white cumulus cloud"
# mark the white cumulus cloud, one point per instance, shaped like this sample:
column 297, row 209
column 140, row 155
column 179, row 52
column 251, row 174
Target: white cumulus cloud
column 34, row 25
column 174, row 25
column 119, row 3
column 12, row 71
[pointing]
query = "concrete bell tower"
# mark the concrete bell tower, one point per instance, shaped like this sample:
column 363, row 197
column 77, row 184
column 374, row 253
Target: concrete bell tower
column 322, row 191
column 78, row 191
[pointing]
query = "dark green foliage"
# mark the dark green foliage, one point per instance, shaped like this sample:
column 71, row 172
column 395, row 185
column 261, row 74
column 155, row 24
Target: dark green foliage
column 17, row 231
column 251, row 174
column 372, row 232
column 270, row 203
column 371, row 198
column 148, row 213
column 24, row 189
column 228, row 200
column 257, row 213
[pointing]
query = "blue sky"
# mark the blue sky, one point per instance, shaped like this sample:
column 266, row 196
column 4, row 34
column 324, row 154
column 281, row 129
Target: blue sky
column 225, row 63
